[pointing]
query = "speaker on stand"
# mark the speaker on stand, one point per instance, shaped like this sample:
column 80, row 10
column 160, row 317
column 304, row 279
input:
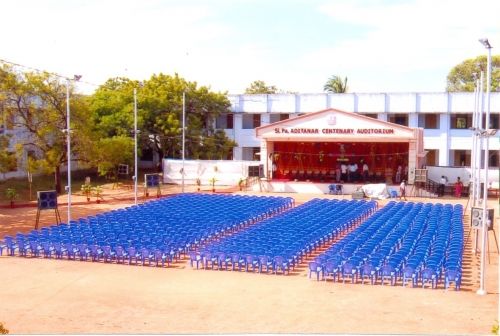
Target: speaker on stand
column 152, row 181
column 477, row 220
column 419, row 183
column 47, row 200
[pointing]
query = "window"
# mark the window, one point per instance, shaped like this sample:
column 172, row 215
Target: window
column 399, row 118
column 275, row 117
column 460, row 121
column 224, row 121
column 428, row 121
column 371, row 115
column 251, row 120
column 432, row 157
column 494, row 159
column 251, row 153
column 494, row 122
column 460, row 158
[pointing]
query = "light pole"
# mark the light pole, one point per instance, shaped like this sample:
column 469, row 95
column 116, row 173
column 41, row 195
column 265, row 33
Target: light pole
column 68, row 148
column 135, row 146
column 68, row 131
column 183, row 135
column 484, row 228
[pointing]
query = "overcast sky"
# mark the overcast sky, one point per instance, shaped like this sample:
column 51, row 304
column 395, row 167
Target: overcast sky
column 296, row 45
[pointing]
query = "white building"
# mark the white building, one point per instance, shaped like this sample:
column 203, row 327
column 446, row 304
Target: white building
column 445, row 118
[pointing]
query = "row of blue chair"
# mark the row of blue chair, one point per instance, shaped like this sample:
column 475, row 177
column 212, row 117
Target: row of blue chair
column 404, row 241
column 287, row 238
column 172, row 225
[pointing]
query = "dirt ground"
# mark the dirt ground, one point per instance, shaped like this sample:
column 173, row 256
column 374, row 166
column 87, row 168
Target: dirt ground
column 41, row 296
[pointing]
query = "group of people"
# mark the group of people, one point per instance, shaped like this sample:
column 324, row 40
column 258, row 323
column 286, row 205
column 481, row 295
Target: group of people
column 458, row 186
column 350, row 172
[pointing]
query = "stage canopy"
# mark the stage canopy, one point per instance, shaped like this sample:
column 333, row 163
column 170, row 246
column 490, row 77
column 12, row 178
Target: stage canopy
column 316, row 147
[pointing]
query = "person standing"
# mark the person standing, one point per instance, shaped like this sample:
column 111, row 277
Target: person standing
column 399, row 171
column 353, row 172
column 343, row 170
column 402, row 190
column 338, row 175
column 442, row 185
column 366, row 172
column 458, row 187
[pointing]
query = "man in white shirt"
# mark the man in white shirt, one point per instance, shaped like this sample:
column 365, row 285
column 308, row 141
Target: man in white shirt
column 402, row 190
column 366, row 172
column 343, row 171
column 442, row 184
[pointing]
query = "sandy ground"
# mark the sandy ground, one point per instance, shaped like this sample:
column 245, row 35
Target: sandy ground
column 61, row 297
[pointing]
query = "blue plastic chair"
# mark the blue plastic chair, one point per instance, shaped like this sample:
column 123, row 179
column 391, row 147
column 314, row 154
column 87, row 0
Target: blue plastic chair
column 265, row 261
column 280, row 264
column 195, row 257
column 317, row 269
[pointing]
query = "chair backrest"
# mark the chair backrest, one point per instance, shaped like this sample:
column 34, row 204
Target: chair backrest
column 131, row 251
column 314, row 266
column 119, row 251
column 145, row 253
column 278, row 260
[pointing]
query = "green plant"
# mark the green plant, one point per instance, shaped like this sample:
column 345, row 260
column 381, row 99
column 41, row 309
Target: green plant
column 212, row 182
column 87, row 190
column 241, row 183
column 3, row 330
column 11, row 194
column 97, row 191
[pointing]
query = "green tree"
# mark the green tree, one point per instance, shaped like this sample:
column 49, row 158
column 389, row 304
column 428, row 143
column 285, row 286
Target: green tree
column 260, row 87
column 462, row 77
column 8, row 160
column 160, row 114
column 36, row 102
column 111, row 152
column 335, row 84
column 112, row 107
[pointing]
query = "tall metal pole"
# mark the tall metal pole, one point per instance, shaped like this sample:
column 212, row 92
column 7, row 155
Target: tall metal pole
column 472, row 194
column 479, row 143
column 68, row 148
column 136, row 173
column 484, row 229
column 183, row 134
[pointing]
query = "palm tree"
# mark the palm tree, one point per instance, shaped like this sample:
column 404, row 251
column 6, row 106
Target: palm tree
column 335, row 84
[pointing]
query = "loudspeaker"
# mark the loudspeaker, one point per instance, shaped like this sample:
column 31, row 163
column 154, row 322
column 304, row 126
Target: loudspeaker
column 47, row 199
column 152, row 180
column 476, row 218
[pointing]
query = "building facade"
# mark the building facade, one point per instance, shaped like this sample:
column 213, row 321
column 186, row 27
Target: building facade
column 445, row 118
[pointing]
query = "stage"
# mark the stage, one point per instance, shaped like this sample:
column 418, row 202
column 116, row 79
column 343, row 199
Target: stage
column 304, row 187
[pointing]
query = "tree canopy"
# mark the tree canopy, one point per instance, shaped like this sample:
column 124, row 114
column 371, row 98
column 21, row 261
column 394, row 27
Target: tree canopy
column 36, row 104
column 335, row 84
column 160, row 103
column 462, row 77
column 260, row 87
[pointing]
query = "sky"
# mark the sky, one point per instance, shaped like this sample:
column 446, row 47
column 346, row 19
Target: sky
column 295, row 45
